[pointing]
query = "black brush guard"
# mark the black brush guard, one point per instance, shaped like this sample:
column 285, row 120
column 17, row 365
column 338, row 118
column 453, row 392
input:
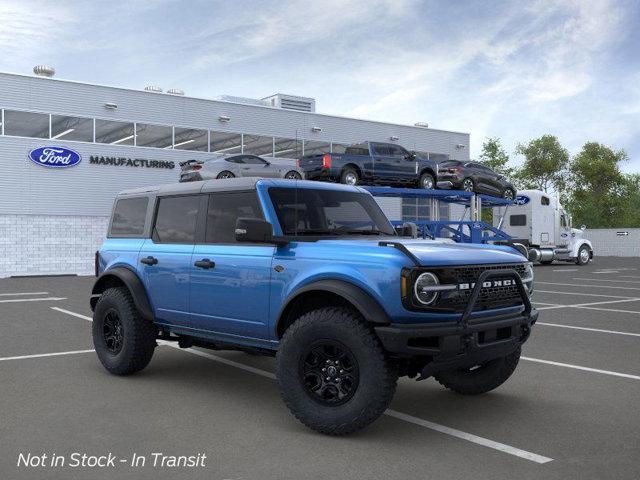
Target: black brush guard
column 468, row 342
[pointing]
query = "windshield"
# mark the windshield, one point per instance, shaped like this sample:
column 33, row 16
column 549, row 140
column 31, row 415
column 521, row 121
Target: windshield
column 305, row 212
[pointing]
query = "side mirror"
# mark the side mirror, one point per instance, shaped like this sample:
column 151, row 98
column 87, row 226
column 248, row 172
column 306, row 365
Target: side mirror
column 583, row 227
column 254, row 230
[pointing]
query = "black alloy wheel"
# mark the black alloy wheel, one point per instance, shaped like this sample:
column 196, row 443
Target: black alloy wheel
column 329, row 372
column 112, row 331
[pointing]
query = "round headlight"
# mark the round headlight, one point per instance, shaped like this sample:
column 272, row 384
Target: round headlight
column 421, row 288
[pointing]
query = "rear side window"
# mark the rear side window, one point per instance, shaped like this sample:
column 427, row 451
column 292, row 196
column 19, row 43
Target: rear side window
column 544, row 200
column 517, row 220
column 357, row 150
column 176, row 219
column 224, row 209
column 129, row 216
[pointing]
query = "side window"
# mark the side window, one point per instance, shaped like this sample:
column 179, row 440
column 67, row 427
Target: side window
column 129, row 216
column 235, row 159
column 252, row 160
column 563, row 221
column 224, row 210
column 395, row 151
column 517, row 220
column 176, row 219
column 544, row 200
column 381, row 149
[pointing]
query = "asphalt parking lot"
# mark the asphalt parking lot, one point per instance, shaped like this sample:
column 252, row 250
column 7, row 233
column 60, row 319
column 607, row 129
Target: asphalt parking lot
column 569, row 411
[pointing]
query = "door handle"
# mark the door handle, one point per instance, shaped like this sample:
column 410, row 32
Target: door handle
column 246, row 168
column 205, row 263
column 149, row 260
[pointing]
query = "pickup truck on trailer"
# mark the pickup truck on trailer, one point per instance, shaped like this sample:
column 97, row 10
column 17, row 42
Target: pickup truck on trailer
column 314, row 274
column 372, row 163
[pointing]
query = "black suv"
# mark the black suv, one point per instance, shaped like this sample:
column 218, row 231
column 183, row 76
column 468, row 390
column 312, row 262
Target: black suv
column 474, row 177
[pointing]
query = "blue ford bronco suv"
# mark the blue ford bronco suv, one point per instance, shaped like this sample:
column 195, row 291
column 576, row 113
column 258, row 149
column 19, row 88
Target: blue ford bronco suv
column 315, row 275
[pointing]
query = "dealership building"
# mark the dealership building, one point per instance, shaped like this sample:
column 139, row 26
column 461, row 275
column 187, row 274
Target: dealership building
column 52, row 220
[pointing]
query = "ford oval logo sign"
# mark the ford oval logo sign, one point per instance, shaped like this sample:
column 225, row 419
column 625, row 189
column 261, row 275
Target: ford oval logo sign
column 56, row 157
column 521, row 200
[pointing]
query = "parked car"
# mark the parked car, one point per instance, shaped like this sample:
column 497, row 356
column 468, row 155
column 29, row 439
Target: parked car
column 372, row 163
column 316, row 273
column 230, row 166
column 474, row 177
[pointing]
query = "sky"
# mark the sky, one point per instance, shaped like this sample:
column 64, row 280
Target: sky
column 514, row 70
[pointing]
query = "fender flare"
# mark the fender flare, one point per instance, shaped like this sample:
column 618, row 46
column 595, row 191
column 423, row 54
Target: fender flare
column 133, row 284
column 367, row 306
column 579, row 244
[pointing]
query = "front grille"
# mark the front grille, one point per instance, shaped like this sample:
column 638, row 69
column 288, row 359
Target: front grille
column 490, row 297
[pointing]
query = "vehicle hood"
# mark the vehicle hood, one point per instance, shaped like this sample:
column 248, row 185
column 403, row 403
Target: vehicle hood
column 441, row 253
column 435, row 253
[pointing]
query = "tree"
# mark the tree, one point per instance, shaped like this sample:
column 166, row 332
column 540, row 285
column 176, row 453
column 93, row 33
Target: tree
column 545, row 164
column 495, row 157
column 599, row 193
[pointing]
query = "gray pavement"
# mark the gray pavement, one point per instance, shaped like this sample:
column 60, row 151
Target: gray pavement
column 580, row 411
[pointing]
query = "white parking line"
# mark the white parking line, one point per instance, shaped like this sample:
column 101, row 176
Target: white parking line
column 73, row 314
column 579, row 367
column 609, row 309
column 605, row 280
column 44, row 299
column 41, row 355
column 628, row 276
column 588, row 305
column 591, row 286
column 584, row 294
column 598, row 330
column 565, row 270
column 534, row 457
column 392, row 413
column 23, row 293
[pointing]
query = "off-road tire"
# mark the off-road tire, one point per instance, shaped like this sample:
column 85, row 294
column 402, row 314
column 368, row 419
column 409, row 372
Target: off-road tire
column 349, row 171
column 423, row 178
column 138, row 334
column 579, row 260
column 483, row 379
column 377, row 376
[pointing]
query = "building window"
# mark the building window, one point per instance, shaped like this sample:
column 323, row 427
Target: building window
column 26, row 124
column 257, row 145
column 287, row 148
column 225, row 142
column 157, row 136
column 72, row 128
column 316, row 148
column 416, row 209
column 114, row 133
column 191, row 139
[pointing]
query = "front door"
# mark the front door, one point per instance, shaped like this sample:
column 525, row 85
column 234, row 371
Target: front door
column 165, row 259
column 254, row 166
column 230, row 282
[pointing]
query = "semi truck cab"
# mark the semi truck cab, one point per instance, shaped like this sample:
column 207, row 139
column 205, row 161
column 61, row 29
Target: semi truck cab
column 538, row 221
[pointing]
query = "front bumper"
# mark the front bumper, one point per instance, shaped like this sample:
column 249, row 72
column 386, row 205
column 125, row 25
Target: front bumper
column 467, row 342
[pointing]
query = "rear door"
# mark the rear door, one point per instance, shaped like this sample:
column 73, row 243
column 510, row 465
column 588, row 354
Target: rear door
column 230, row 282
column 165, row 258
column 382, row 161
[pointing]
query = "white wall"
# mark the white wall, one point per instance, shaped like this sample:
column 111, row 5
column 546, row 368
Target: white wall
column 608, row 243
column 49, row 244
